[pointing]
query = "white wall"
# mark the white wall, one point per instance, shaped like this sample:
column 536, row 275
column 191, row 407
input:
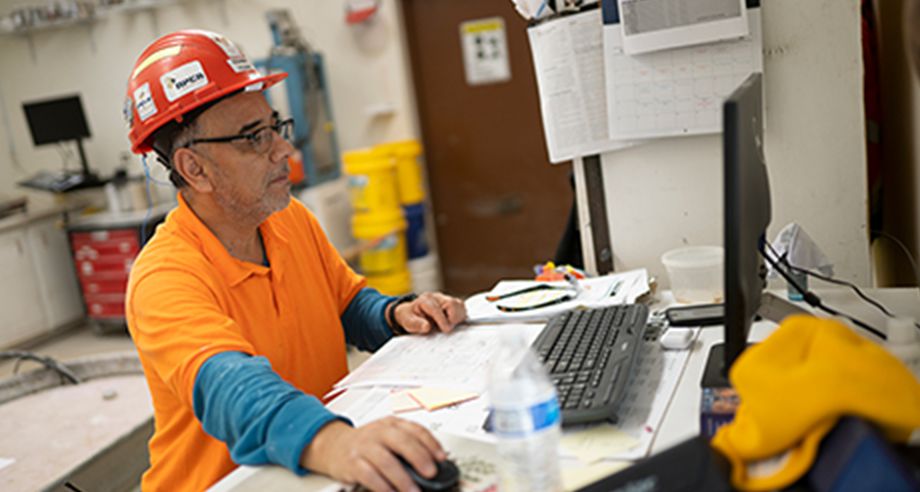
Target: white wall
column 366, row 66
column 669, row 193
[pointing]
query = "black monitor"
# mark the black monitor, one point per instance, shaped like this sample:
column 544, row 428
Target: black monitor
column 60, row 119
column 747, row 212
column 56, row 120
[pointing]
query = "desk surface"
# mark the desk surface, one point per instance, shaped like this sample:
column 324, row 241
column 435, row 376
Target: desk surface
column 682, row 418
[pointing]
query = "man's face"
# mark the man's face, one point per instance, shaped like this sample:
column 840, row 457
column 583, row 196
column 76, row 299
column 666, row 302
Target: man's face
column 245, row 182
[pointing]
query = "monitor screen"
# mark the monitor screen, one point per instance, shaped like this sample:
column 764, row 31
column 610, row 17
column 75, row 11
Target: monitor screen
column 56, row 120
column 747, row 212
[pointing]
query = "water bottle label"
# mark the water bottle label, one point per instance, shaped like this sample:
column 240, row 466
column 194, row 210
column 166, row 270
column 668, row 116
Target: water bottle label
column 520, row 421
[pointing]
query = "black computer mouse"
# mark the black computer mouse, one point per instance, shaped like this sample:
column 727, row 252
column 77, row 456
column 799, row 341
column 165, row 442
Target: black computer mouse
column 447, row 477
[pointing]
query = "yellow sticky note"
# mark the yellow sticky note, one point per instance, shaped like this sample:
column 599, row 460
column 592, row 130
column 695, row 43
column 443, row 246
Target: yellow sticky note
column 435, row 398
column 576, row 477
column 400, row 401
column 598, row 441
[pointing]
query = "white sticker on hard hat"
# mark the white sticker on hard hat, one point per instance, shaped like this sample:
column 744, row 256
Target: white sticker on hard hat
column 254, row 87
column 179, row 82
column 240, row 64
column 143, row 101
column 225, row 44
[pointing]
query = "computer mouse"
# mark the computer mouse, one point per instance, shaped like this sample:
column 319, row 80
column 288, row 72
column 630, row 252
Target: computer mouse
column 447, row 477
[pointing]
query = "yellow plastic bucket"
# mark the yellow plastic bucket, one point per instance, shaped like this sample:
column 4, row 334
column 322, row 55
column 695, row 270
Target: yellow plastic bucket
column 408, row 171
column 388, row 257
column 396, row 284
column 371, row 181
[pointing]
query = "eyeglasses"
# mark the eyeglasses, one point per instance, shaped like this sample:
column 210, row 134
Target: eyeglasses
column 259, row 140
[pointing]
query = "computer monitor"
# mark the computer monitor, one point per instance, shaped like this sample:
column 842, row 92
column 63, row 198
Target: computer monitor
column 56, row 120
column 746, row 211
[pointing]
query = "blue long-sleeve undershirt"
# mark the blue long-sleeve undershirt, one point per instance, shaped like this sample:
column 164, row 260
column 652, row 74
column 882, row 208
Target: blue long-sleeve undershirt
column 241, row 401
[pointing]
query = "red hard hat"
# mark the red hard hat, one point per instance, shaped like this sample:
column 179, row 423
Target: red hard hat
column 180, row 72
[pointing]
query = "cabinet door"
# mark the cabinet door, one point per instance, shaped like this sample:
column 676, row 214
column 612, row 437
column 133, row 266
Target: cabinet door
column 54, row 272
column 21, row 314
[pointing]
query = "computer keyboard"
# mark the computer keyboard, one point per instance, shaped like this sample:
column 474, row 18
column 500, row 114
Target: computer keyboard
column 589, row 355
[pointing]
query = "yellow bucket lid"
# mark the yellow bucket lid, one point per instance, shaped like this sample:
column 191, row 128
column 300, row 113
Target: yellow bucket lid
column 358, row 160
column 401, row 148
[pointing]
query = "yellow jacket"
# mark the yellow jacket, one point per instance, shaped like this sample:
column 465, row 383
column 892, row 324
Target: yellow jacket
column 796, row 384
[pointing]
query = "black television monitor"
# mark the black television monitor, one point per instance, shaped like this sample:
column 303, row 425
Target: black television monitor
column 747, row 211
column 55, row 120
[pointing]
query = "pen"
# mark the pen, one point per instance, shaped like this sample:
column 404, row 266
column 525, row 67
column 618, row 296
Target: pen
column 615, row 288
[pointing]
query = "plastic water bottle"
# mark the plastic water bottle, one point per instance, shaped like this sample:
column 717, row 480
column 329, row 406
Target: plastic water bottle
column 525, row 420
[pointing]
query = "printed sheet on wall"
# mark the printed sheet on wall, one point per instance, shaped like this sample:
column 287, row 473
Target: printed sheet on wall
column 676, row 91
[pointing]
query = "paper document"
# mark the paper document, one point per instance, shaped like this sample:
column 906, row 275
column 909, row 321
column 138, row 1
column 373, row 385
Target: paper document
column 590, row 444
column 568, row 61
column 617, row 288
column 461, row 359
column 652, row 25
column 649, row 393
column 674, row 92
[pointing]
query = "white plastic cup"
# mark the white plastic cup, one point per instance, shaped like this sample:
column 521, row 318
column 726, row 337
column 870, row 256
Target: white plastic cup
column 696, row 273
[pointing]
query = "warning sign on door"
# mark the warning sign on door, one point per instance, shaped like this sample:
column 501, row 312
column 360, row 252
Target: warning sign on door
column 485, row 51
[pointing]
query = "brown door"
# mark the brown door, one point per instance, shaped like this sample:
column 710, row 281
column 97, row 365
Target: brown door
column 499, row 206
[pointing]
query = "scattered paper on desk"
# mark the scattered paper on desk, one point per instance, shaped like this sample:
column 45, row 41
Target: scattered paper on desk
column 576, row 476
column 648, row 395
column 652, row 25
column 435, row 398
column 674, row 92
column 595, row 442
column 402, row 401
column 463, row 419
column 618, row 288
column 568, row 61
column 460, row 359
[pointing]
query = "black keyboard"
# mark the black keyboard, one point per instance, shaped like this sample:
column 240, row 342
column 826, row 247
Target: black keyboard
column 589, row 355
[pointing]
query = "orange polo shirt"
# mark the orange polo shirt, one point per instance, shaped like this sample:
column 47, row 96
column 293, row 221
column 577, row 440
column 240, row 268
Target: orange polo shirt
column 188, row 299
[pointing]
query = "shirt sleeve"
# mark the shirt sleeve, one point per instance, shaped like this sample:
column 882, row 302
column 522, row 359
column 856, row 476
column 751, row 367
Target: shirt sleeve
column 365, row 321
column 241, row 401
column 177, row 324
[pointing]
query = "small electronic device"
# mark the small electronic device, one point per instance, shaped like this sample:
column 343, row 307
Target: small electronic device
column 676, row 339
column 699, row 315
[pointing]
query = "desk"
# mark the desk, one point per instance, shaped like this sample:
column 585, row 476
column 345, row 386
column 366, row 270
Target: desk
column 680, row 422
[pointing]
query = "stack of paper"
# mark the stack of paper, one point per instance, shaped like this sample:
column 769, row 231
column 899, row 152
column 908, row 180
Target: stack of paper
column 619, row 288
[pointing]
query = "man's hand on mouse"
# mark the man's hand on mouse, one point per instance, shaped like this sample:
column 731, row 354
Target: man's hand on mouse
column 431, row 311
column 367, row 454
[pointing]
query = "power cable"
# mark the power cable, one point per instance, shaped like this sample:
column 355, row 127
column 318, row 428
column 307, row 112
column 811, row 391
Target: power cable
column 810, row 297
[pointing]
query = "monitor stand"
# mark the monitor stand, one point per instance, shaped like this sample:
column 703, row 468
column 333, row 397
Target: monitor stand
column 63, row 181
column 772, row 308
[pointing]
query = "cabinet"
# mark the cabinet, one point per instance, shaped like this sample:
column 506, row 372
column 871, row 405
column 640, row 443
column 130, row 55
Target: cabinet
column 54, row 272
column 22, row 316
column 103, row 248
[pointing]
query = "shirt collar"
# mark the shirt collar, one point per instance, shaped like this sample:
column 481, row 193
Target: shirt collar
column 233, row 270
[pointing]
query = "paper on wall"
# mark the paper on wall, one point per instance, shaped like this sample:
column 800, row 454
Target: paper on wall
column 568, row 62
column 674, row 92
column 652, row 25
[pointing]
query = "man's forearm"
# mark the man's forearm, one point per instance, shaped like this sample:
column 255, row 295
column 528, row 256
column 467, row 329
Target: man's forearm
column 240, row 400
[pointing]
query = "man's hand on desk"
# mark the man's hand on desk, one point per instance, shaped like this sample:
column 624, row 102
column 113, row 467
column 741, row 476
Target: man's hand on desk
column 367, row 454
column 431, row 311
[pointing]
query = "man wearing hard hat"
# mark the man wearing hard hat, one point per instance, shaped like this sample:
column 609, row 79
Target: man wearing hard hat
column 239, row 306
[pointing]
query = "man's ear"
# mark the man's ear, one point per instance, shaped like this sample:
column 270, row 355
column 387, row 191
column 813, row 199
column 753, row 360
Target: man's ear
column 192, row 168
